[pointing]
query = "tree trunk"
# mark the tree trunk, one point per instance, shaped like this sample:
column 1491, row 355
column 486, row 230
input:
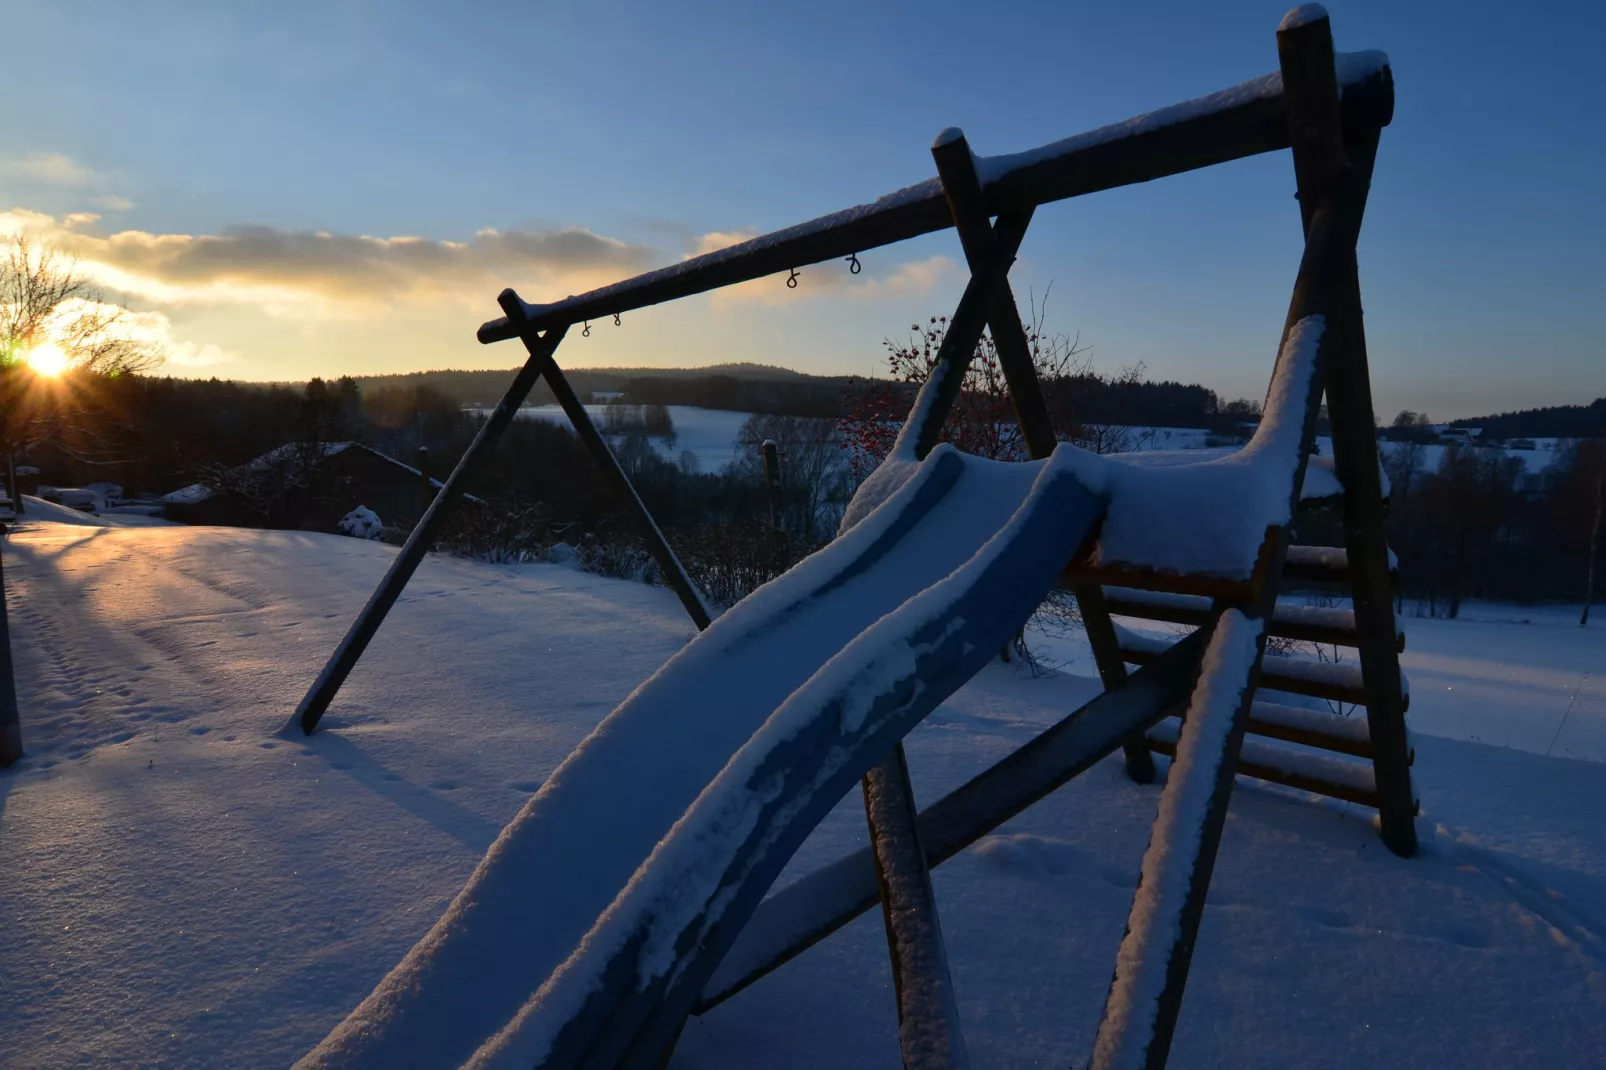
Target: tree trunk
column 1594, row 550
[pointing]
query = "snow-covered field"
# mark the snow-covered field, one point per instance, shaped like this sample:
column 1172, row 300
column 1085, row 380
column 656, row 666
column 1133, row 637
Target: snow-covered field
column 710, row 436
column 707, row 434
column 181, row 885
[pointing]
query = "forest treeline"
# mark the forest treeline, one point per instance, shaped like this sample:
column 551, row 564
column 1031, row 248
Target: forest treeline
column 1473, row 523
column 1555, row 421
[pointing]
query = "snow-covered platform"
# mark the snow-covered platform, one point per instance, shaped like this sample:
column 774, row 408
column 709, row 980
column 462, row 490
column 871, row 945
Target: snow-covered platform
column 185, row 887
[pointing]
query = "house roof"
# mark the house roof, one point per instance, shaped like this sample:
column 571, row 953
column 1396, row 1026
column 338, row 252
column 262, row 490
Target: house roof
column 196, row 493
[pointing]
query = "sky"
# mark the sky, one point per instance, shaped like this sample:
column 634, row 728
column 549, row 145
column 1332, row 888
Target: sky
column 281, row 190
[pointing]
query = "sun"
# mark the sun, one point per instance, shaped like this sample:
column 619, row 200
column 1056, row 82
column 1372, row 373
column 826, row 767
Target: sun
column 47, row 359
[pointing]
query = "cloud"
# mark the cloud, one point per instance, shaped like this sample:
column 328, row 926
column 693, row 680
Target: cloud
column 150, row 327
column 903, row 277
column 49, row 169
column 299, row 272
column 112, row 203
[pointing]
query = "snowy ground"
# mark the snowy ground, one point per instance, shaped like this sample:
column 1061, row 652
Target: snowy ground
column 185, row 887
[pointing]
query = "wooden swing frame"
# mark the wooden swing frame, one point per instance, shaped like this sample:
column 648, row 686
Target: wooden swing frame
column 1332, row 125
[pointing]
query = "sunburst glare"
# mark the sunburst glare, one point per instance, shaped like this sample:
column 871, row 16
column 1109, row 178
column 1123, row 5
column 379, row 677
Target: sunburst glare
column 47, row 359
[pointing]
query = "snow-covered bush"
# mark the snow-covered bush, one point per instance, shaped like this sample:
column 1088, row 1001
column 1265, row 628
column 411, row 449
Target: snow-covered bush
column 501, row 533
column 361, row 523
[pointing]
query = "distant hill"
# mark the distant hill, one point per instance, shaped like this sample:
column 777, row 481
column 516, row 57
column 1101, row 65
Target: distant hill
column 748, row 387
column 1555, row 421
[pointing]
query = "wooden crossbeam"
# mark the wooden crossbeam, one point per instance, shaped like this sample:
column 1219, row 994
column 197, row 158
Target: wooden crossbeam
column 1242, row 121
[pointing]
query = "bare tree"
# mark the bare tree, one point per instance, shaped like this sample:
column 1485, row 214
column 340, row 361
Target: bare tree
column 982, row 421
column 46, row 301
column 814, row 473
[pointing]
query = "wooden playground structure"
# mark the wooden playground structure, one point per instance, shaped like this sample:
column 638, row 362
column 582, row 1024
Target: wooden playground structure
column 1329, row 111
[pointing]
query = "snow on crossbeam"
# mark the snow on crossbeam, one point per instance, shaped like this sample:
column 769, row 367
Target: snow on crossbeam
column 1245, row 120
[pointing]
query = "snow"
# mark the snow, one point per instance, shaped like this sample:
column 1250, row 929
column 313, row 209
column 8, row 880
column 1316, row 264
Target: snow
column 1169, row 863
column 1303, row 15
column 469, row 978
column 1226, row 500
column 40, row 510
column 1350, row 67
column 185, row 888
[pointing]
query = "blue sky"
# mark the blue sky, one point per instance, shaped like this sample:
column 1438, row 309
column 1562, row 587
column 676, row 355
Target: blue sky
column 237, row 155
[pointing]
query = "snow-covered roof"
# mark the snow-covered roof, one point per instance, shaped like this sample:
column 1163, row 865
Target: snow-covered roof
column 281, row 456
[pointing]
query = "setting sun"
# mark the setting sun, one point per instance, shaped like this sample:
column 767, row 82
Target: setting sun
column 47, row 359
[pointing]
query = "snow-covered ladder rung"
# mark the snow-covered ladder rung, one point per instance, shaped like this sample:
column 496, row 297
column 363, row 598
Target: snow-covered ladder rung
column 1311, row 624
column 1336, row 778
column 1333, row 681
column 1304, row 566
column 1326, row 565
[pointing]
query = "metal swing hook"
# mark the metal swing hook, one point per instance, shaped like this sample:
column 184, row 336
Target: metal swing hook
column 791, row 280
column 616, row 319
column 854, row 266
column 585, row 332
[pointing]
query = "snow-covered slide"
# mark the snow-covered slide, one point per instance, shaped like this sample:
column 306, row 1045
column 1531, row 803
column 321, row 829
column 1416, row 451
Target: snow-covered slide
column 593, row 922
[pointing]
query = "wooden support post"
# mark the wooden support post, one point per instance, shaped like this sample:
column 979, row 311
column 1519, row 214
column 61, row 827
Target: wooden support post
column 772, row 481
column 1336, row 197
column 956, row 167
column 915, row 941
column 362, row 630
column 1320, row 156
column 10, row 716
column 928, row 1012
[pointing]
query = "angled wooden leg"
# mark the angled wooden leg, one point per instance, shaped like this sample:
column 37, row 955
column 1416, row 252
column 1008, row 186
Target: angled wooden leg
column 928, row 1012
column 1306, row 53
column 674, row 573
column 362, row 630
column 1355, row 461
column 914, row 935
column 956, row 167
